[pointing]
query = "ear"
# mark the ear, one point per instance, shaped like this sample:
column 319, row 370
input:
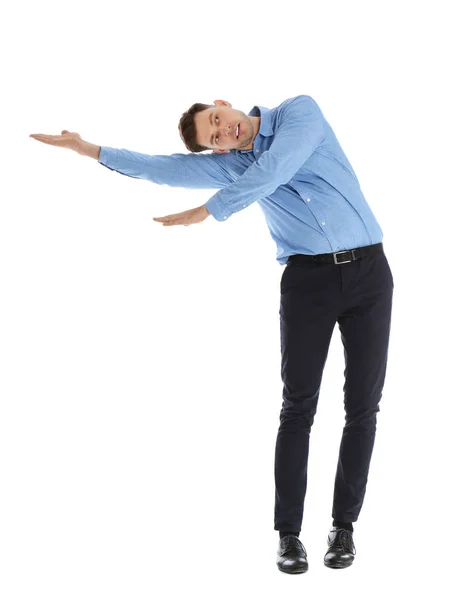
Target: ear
column 222, row 103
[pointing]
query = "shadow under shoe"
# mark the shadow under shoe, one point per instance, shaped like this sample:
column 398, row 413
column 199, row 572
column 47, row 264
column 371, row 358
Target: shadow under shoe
column 341, row 549
column 291, row 556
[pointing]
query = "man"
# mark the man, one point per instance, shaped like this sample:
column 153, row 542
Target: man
column 289, row 160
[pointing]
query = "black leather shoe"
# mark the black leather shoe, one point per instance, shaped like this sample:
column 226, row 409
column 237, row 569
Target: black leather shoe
column 341, row 549
column 291, row 555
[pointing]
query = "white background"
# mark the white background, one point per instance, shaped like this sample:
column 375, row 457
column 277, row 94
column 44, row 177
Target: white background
column 140, row 364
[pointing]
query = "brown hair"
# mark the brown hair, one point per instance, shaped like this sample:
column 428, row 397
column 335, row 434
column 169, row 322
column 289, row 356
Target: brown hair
column 187, row 129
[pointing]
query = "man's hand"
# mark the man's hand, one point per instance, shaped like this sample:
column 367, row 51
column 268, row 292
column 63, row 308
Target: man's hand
column 67, row 139
column 188, row 217
column 70, row 140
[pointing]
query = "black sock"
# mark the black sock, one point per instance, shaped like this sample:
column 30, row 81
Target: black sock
column 283, row 533
column 348, row 526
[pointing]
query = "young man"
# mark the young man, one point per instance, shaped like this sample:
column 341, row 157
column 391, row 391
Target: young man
column 289, row 160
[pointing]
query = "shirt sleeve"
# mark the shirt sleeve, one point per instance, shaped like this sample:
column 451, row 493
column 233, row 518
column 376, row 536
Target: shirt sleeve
column 178, row 170
column 300, row 132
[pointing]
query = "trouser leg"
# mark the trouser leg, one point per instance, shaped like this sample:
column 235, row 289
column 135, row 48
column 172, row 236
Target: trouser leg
column 365, row 331
column 307, row 320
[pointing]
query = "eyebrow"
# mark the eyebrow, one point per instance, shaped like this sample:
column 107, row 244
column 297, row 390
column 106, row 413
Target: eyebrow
column 210, row 121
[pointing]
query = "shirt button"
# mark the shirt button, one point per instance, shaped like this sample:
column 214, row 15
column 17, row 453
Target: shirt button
column 244, row 205
column 308, row 199
column 323, row 222
column 225, row 217
column 257, row 150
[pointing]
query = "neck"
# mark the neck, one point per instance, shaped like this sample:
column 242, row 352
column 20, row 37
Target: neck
column 255, row 122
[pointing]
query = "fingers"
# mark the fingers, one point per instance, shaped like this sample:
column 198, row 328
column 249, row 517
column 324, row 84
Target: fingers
column 187, row 217
column 169, row 221
column 172, row 220
column 47, row 139
column 50, row 139
column 181, row 215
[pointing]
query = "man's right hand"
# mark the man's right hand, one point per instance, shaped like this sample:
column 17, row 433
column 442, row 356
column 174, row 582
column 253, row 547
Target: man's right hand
column 67, row 139
column 71, row 140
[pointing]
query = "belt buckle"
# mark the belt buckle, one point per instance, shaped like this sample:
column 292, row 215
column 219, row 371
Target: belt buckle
column 343, row 261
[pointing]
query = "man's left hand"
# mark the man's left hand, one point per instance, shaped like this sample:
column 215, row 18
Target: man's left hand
column 188, row 217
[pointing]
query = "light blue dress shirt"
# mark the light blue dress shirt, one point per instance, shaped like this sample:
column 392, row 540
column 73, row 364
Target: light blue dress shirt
column 296, row 171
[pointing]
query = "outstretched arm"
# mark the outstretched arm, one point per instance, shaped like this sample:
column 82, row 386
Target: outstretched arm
column 180, row 170
column 191, row 170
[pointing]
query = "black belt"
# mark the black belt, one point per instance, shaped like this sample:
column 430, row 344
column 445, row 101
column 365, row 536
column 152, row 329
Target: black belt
column 338, row 258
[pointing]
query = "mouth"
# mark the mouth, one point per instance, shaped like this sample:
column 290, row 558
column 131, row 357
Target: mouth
column 237, row 131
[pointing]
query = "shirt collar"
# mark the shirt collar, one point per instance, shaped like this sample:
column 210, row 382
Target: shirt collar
column 265, row 125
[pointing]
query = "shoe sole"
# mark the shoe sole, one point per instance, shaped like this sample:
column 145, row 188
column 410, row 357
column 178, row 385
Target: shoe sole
column 294, row 571
column 338, row 565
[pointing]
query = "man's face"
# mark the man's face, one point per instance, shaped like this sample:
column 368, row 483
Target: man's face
column 216, row 128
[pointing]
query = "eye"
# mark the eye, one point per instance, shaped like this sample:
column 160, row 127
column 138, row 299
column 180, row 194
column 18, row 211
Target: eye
column 216, row 136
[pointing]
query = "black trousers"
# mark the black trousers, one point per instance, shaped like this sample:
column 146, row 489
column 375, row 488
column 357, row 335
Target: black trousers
column 358, row 295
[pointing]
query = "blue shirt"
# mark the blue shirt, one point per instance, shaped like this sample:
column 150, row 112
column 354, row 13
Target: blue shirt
column 296, row 171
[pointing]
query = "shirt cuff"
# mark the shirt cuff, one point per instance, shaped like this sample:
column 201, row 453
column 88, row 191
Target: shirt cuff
column 217, row 209
column 108, row 157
